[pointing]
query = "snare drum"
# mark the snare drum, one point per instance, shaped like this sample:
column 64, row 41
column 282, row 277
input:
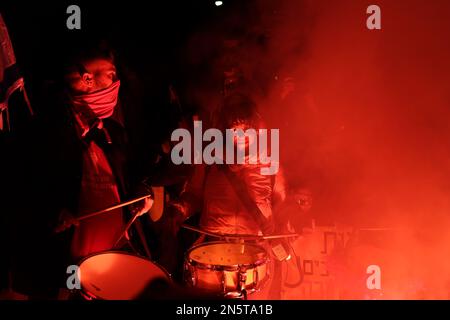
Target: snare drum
column 117, row 275
column 227, row 268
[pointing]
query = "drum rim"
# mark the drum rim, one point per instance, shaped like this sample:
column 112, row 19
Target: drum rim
column 93, row 296
column 231, row 267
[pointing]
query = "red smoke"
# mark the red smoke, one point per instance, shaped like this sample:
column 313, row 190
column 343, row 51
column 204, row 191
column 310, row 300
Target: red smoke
column 364, row 122
column 379, row 142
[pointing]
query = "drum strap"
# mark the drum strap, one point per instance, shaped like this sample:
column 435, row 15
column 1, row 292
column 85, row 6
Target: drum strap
column 266, row 224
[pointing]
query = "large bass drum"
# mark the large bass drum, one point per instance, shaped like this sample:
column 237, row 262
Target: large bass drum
column 116, row 275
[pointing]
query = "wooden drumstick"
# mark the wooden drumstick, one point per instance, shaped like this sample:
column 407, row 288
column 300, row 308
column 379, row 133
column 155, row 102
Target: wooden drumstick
column 198, row 230
column 378, row 229
column 280, row 236
column 120, row 205
column 250, row 237
column 124, row 231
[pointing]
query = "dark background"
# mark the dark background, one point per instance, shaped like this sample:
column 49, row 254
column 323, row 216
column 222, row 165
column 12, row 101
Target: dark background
column 154, row 43
column 150, row 37
column 376, row 151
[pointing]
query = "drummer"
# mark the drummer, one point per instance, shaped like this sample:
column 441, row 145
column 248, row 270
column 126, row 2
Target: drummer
column 93, row 105
column 233, row 198
column 83, row 157
column 82, row 161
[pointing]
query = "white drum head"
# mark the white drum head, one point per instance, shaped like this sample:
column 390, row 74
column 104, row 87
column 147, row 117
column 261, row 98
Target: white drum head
column 117, row 276
column 228, row 254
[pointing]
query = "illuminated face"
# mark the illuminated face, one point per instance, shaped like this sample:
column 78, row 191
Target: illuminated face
column 303, row 198
column 97, row 74
column 104, row 72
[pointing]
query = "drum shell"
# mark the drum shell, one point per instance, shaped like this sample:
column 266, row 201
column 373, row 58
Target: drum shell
column 224, row 279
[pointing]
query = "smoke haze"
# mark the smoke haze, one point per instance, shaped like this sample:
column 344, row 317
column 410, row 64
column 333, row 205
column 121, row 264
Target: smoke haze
column 363, row 117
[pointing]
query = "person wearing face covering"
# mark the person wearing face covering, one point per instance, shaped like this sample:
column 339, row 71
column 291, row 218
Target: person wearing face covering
column 99, row 132
column 82, row 167
column 100, row 182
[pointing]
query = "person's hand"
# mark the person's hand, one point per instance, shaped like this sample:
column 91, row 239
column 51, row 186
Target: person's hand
column 65, row 221
column 142, row 207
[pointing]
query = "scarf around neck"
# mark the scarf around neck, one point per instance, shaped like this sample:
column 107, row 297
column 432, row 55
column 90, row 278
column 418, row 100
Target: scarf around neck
column 91, row 108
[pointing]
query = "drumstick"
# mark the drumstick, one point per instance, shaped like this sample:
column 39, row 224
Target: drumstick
column 124, row 231
column 252, row 237
column 188, row 227
column 377, row 229
column 279, row 236
column 120, row 205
